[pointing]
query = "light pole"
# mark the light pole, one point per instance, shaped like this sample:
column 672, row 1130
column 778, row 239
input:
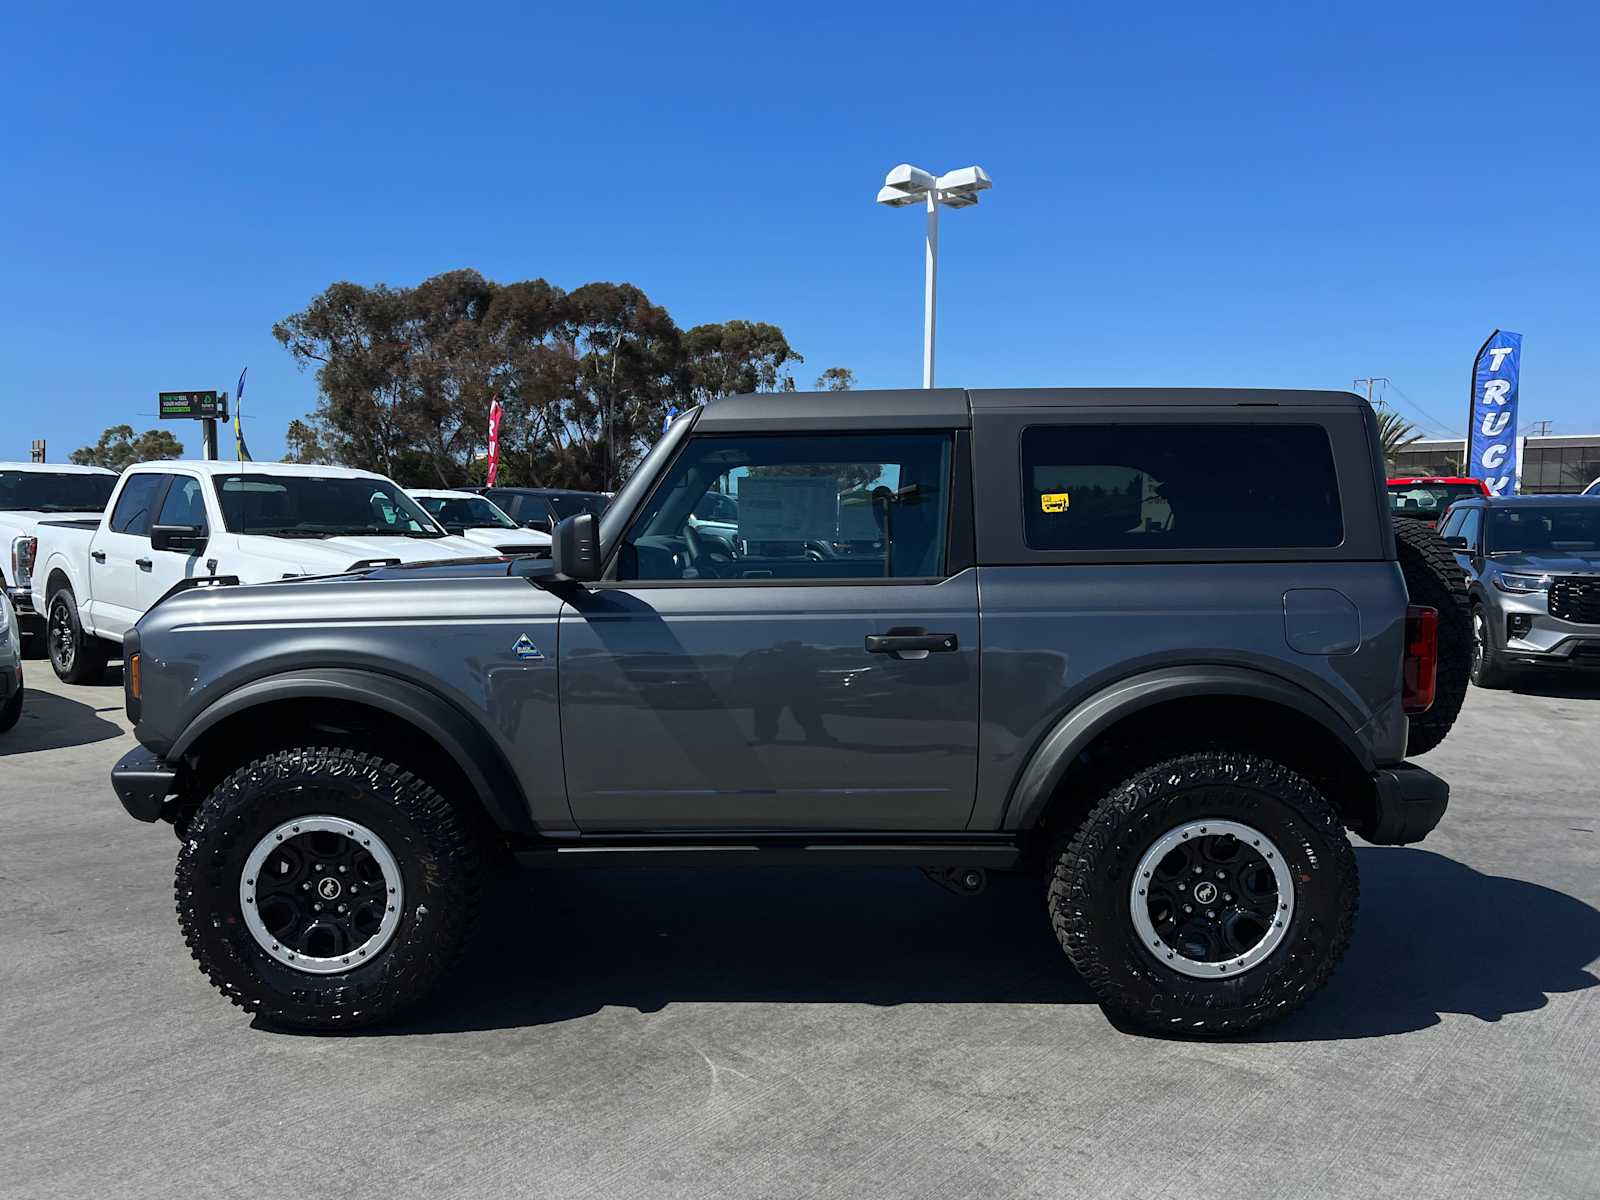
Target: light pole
column 907, row 185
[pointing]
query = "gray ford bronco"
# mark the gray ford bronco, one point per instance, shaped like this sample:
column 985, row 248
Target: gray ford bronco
column 1162, row 648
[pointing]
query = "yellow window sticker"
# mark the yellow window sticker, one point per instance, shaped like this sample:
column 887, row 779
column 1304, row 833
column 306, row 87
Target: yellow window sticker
column 1053, row 502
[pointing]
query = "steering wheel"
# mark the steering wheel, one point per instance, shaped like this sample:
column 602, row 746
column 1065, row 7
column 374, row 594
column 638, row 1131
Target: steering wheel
column 704, row 555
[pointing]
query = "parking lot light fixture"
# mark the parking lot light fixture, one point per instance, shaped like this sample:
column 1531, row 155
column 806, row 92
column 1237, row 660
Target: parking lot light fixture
column 906, row 185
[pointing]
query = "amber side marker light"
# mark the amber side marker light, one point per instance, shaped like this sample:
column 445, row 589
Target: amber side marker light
column 133, row 676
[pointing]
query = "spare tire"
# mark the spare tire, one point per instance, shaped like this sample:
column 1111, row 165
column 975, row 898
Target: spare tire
column 1433, row 577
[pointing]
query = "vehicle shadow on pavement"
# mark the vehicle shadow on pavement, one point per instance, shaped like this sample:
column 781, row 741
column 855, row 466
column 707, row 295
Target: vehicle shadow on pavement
column 565, row 944
column 571, row 942
column 1564, row 686
column 51, row 722
column 1436, row 937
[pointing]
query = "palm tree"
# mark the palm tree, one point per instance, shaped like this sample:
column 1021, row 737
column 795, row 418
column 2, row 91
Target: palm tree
column 1395, row 433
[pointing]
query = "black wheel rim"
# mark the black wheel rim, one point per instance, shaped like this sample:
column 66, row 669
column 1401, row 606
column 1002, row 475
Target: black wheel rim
column 1212, row 897
column 63, row 638
column 321, row 894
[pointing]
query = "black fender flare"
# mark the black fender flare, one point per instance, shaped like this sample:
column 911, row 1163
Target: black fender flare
column 471, row 749
column 1048, row 765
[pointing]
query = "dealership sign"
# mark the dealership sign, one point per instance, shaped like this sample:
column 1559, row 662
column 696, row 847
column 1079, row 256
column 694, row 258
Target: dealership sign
column 1492, row 436
column 196, row 406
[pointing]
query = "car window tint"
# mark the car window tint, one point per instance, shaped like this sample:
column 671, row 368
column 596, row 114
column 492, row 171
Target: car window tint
column 1471, row 523
column 132, row 513
column 185, row 504
column 1179, row 487
column 796, row 508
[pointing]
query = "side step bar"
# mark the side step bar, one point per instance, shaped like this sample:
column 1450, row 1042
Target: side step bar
column 996, row 855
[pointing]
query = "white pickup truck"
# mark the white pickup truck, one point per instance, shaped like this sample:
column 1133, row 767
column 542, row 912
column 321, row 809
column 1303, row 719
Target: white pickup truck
column 482, row 521
column 34, row 492
column 257, row 522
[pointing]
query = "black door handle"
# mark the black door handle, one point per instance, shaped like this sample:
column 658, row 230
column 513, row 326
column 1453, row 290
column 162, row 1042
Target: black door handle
column 897, row 642
column 144, row 563
column 98, row 555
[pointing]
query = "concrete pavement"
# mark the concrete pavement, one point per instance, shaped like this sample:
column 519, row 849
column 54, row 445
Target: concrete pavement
column 791, row 1033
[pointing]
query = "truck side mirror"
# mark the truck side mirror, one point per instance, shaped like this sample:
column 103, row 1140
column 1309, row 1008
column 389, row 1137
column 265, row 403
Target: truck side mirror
column 188, row 539
column 1455, row 543
column 575, row 547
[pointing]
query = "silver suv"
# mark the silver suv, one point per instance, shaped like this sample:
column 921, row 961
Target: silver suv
column 1533, row 566
column 1046, row 631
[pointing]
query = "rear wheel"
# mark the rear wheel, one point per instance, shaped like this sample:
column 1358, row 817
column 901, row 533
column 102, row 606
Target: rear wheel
column 1434, row 578
column 1209, row 894
column 1487, row 669
column 75, row 656
column 327, row 887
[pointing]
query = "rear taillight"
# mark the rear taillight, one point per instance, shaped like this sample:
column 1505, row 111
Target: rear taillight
column 1420, row 676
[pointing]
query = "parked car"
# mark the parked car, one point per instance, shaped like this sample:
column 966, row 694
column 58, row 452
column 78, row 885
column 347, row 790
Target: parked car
column 481, row 521
column 10, row 665
column 1426, row 497
column 1079, row 650
column 542, row 508
column 34, row 492
column 172, row 522
column 1533, row 570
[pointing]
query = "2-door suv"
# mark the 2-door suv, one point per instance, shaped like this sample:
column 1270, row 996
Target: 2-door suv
column 1533, row 566
column 1023, row 630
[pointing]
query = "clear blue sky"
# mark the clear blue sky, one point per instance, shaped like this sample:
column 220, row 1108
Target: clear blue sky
column 1289, row 195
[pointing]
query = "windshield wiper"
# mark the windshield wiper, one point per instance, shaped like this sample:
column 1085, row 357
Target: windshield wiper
column 287, row 531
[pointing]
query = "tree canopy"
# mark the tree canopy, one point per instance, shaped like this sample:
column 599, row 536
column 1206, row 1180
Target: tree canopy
column 587, row 377
column 119, row 448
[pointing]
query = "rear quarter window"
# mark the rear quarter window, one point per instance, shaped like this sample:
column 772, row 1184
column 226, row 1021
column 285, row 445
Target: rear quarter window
column 1159, row 487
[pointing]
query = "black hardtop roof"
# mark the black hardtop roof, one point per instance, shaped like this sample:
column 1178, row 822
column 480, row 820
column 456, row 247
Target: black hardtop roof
column 1554, row 500
column 909, row 408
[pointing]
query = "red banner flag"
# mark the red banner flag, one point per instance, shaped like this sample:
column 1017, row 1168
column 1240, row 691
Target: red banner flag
column 496, row 413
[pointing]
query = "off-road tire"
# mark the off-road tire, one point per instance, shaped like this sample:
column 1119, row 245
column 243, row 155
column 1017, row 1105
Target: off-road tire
column 1488, row 671
column 1093, row 874
column 432, row 841
column 11, row 711
column 81, row 657
column 1433, row 577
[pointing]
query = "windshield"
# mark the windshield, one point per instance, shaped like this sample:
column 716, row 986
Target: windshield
column 572, row 503
column 1543, row 530
column 1427, row 499
column 46, row 491
column 456, row 513
column 320, row 506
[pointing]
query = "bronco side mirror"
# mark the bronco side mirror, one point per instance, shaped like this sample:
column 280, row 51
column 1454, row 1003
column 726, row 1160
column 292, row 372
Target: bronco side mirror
column 575, row 547
column 187, row 539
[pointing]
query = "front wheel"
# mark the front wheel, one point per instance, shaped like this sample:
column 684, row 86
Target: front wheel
column 75, row 656
column 1487, row 669
column 11, row 710
column 327, row 887
column 1210, row 894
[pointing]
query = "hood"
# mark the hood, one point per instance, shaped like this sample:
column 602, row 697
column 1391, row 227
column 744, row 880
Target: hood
column 323, row 556
column 485, row 567
column 495, row 537
column 1550, row 562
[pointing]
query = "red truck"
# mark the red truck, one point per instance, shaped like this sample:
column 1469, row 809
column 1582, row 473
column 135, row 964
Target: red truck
column 1425, row 497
